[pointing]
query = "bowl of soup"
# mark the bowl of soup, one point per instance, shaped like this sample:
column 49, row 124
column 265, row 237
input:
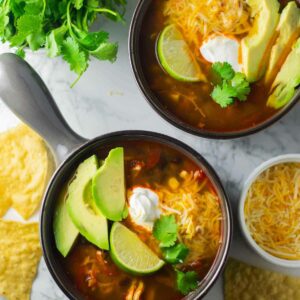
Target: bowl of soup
column 217, row 70
column 135, row 215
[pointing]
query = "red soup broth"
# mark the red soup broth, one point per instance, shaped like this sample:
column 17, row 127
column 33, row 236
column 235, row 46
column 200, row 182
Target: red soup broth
column 92, row 270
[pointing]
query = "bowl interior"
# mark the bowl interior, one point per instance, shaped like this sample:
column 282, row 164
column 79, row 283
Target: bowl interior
column 287, row 158
column 157, row 105
column 52, row 256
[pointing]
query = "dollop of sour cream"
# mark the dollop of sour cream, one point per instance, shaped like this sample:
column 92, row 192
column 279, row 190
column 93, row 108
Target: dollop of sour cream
column 143, row 207
column 222, row 49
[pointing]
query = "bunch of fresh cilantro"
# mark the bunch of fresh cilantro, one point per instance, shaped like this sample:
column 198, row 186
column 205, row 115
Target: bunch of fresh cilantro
column 233, row 85
column 62, row 27
column 165, row 231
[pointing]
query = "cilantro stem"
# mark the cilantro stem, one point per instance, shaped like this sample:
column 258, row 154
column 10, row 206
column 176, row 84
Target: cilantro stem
column 44, row 7
column 76, row 80
column 106, row 10
column 78, row 19
column 84, row 21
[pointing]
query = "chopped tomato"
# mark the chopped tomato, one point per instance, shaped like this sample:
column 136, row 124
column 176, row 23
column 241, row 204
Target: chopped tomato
column 199, row 174
column 153, row 157
column 136, row 165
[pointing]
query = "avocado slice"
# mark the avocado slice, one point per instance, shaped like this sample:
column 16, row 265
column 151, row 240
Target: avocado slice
column 288, row 30
column 65, row 232
column 287, row 80
column 92, row 225
column 109, row 186
column 256, row 45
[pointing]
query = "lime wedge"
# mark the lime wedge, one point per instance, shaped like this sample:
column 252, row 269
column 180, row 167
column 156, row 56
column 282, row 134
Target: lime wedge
column 175, row 56
column 130, row 254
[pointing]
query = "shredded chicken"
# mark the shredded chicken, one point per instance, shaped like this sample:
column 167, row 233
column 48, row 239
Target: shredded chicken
column 136, row 290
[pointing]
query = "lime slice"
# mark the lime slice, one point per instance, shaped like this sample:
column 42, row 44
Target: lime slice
column 175, row 57
column 130, row 253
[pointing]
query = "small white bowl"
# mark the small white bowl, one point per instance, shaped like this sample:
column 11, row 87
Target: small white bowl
column 253, row 176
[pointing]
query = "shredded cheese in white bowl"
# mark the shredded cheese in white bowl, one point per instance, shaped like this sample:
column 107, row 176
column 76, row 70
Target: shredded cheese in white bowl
column 269, row 210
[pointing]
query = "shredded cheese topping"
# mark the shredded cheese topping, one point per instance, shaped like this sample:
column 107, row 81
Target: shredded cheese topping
column 197, row 211
column 272, row 210
column 198, row 19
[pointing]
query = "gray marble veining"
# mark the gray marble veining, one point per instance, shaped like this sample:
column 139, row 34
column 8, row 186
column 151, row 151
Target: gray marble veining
column 107, row 99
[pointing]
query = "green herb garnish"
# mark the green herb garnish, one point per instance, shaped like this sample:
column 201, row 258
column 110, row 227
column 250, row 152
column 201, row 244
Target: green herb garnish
column 165, row 230
column 233, row 85
column 62, row 27
column 186, row 282
column 176, row 254
column 224, row 70
column 241, row 86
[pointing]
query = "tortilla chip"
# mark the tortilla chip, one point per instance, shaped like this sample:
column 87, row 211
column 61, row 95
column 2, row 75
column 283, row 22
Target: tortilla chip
column 244, row 282
column 25, row 165
column 20, row 254
column 5, row 202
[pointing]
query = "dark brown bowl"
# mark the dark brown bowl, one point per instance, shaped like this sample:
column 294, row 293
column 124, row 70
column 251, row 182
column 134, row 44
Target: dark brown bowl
column 53, row 258
column 153, row 100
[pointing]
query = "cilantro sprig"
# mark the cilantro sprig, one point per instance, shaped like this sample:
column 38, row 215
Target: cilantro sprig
column 62, row 27
column 176, row 254
column 165, row 231
column 186, row 282
column 234, row 85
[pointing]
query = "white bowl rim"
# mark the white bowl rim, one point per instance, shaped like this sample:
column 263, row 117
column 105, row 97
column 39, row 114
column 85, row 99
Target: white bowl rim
column 244, row 228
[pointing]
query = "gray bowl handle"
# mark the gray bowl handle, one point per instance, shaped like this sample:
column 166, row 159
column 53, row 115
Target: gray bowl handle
column 24, row 92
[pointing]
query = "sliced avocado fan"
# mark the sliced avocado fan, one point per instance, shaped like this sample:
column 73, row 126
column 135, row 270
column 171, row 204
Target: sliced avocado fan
column 92, row 225
column 288, row 31
column 287, row 80
column 65, row 232
column 109, row 186
column 256, row 44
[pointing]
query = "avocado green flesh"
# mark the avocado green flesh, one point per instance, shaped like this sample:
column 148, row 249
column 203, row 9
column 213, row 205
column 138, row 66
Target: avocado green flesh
column 288, row 78
column 288, row 31
column 92, row 225
column 65, row 232
column 258, row 41
column 109, row 186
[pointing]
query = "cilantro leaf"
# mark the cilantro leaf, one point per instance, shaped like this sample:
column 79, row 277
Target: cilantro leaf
column 4, row 19
column 34, row 7
column 17, row 7
column 74, row 56
column 26, row 25
column 106, row 51
column 78, row 3
column 224, row 94
column 186, row 282
column 20, row 52
column 55, row 40
column 36, row 40
column 165, row 230
column 224, row 70
column 175, row 254
column 93, row 40
column 241, row 85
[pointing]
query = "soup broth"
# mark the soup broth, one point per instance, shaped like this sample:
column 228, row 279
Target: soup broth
column 191, row 102
column 165, row 171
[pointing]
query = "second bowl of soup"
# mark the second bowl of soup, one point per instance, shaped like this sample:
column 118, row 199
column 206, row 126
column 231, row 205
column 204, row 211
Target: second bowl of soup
column 218, row 70
column 135, row 215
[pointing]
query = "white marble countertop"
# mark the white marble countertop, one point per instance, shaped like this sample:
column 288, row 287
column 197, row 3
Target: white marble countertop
column 107, row 99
